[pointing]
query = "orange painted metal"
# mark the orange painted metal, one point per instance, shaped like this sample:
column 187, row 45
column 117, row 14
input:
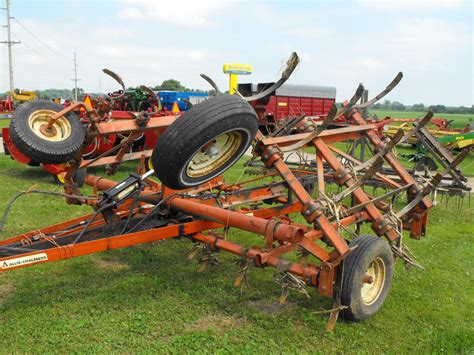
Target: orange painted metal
column 311, row 215
column 125, row 126
column 115, row 159
column 310, row 272
column 358, row 193
column 63, row 112
column 246, row 222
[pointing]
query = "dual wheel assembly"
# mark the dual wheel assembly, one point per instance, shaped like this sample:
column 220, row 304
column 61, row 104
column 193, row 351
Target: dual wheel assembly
column 199, row 146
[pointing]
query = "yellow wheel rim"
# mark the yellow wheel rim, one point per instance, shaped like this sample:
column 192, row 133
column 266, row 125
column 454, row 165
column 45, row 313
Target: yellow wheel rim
column 149, row 164
column 371, row 291
column 214, row 154
column 60, row 131
column 60, row 178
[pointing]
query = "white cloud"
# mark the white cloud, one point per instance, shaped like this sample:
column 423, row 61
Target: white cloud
column 403, row 5
column 434, row 53
column 370, row 64
column 425, row 43
column 130, row 13
column 187, row 13
column 309, row 32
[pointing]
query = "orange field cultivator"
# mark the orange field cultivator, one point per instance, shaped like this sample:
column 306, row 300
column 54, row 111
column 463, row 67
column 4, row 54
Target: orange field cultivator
column 311, row 236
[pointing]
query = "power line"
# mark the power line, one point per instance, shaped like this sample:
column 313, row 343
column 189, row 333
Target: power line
column 38, row 39
column 51, row 49
column 9, row 43
column 75, row 77
column 27, row 47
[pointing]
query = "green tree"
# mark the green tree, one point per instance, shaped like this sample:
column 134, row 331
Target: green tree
column 173, row 85
column 397, row 106
column 418, row 107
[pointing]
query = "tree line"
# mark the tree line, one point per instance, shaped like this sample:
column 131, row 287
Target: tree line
column 169, row 84
column 175, row 85
column 398, row 106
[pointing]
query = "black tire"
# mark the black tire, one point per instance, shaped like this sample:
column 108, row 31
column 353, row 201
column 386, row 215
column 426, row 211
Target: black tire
column 196, row 130
column 370, row 251
column 426, row 163
column 79, row 177
column 35, row 146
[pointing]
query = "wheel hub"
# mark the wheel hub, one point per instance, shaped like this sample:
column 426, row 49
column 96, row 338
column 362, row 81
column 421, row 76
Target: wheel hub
column 48, row 132
column 373, row 282
column 59, row 131
column 214, row 154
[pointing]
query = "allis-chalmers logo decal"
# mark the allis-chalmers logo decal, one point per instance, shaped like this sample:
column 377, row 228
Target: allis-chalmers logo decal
column 25, row 260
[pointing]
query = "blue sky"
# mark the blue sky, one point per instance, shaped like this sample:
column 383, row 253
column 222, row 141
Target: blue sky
column 341, row 43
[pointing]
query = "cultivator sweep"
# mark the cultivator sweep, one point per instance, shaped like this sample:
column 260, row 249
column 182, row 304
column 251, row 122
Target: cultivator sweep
column 311, row 236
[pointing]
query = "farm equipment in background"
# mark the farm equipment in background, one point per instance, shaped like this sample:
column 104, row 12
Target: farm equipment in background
column 180, row 100
column 21, row 96
column 290, row 101
column 6, row 106
column 458, row 141
column 290, row 207
column 113, row 107
column 442, row 130
column 434, row 150
column 134, row 100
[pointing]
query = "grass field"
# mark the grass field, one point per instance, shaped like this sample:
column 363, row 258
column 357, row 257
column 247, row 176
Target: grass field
column 460, row 120
column 4, row 122
column 149, row 298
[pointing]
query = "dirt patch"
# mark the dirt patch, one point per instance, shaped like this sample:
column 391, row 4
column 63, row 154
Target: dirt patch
column 6, row 289
column 270, row 307
column 111, row 265
column 219, row 322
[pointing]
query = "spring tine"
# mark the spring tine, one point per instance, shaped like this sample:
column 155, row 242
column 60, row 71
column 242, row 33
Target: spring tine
column 241, row 277
column 389, row 88
column 418, row 126
column 193, row 252
column 212, row 83
column 290, row 67
column 202, row 265
column 117, row 78
column 283, row 296
column 154, row 96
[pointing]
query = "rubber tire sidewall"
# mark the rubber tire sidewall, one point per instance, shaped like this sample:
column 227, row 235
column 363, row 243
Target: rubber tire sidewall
column 197, row 126
column 38, row 149
column 355, row 266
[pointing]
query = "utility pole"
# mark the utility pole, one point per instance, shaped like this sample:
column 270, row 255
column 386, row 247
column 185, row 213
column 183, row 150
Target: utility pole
column 9, row 43
column 75, row 77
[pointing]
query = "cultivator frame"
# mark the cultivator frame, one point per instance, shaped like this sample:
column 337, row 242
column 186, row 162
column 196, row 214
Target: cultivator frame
column 140, row 210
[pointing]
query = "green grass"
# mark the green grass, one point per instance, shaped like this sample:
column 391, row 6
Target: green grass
column 4, row 122
column 460, row 120
column 150, row 298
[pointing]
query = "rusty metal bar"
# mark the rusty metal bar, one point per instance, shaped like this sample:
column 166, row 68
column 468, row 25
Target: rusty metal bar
column 250, row 223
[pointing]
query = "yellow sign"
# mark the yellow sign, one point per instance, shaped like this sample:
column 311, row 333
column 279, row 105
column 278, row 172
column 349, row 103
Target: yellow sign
column 234, row 70
column 240, row 69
